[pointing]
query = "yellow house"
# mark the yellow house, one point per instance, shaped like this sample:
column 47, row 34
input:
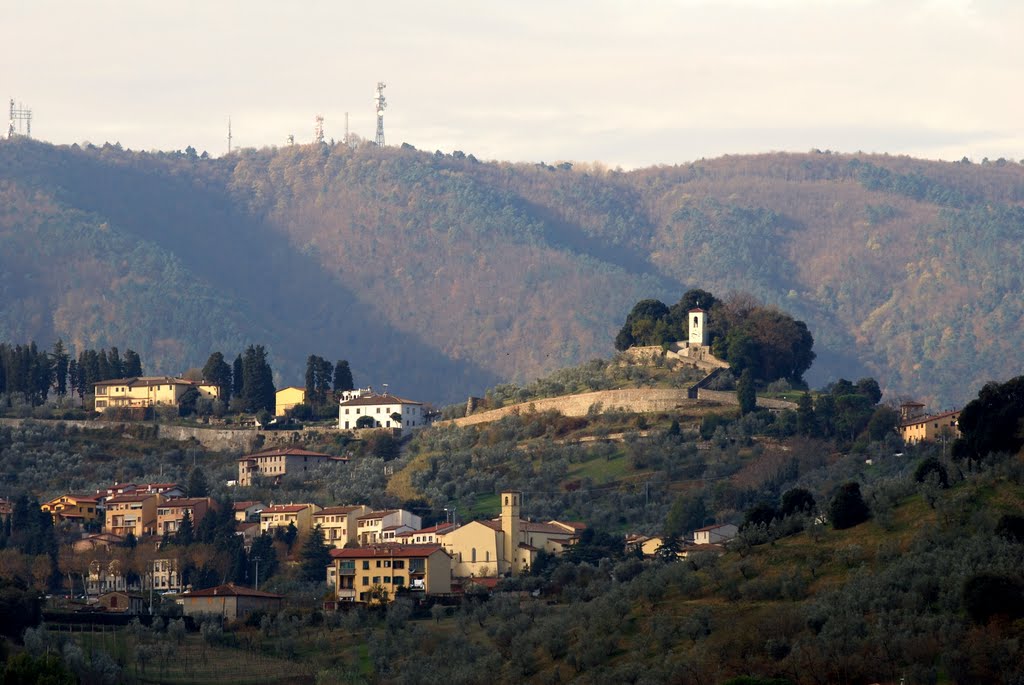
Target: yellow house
column 507, row 544
column 77, row 508
column 135, row 514
column 280, row 515
column 147, row 391
column 931, row 428
column 286, row 398
column 377, row 573
column 340, row 524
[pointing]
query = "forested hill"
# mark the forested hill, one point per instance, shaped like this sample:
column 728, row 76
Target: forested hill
column 441, row 275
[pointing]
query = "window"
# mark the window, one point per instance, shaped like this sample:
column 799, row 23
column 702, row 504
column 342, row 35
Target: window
column 473, row 553
column 387, row 580
column 399, row 564
column 378, row 563
column 387, row 563
column 366, row 565
column 399, row 580
column 366, row 581
column 376, row 580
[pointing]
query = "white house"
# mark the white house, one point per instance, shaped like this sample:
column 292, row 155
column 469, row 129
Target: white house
column 384, row 526
column 380, row 411
column 716, row 534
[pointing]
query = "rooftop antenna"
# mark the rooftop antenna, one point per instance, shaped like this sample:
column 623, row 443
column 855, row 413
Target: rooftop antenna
column 380, row 104
column 318, row 129
column 229, row 134
column 19, row 114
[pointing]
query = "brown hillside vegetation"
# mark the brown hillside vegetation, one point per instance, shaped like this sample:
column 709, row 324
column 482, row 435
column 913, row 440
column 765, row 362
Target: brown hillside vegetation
column 445, row 273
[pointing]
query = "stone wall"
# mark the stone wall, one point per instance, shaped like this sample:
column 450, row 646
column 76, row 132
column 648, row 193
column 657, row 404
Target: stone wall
column 645, row 400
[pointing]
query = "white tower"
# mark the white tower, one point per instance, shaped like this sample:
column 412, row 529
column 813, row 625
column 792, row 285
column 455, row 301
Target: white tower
column 698, row 327
column 379, row 104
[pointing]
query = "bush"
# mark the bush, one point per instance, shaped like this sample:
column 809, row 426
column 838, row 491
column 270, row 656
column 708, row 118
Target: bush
column 991, row 594
column 848, row 509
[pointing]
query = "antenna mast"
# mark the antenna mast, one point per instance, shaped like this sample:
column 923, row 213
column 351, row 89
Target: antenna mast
column 380, row 104
column 318, row 129
column 229, row 134
column 346, row 128
column 19, row 114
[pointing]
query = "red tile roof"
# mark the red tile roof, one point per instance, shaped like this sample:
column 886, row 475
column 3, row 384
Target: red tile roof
column 372, row 400
column 242, row 506
column 285, row 508
column 385, row 551
column 288, row 452
column 377, row 514
column 230, row 590
column 119, row 499
column 925, row 419
column 330, row 511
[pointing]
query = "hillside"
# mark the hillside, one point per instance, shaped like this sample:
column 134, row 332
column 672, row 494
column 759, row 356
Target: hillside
column 443, row 275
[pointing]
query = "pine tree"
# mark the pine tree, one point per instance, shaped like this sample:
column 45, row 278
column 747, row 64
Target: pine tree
column 61, row 361
column 217, row 371
column 197, row 486
column 185, row 535
column 132, row 364
column 316, row 555
column 343, row 376
column 745, row 392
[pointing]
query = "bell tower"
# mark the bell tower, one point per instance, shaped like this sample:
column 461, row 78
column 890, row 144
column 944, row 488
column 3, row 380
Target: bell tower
column 511, row 501
column 697, row 320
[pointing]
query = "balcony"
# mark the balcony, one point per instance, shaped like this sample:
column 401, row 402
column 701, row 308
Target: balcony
column 347, row 571
column 346, row 595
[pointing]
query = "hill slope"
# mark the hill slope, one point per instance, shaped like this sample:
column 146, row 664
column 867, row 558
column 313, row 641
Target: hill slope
column 441, row 275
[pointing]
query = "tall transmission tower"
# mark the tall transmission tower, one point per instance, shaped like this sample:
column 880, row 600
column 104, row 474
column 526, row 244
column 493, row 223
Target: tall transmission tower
column 346, row 129
column 229, row 135
column 18, row 115
column 318, row 129
column 380, row 104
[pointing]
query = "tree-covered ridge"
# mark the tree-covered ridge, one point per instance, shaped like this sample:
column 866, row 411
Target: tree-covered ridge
column 509, row 271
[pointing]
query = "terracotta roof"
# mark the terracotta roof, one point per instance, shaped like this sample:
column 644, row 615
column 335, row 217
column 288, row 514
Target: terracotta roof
column 242, row 527
column 714, row 526
column 385, row 551
column 131, row 498
column 78, row 498
column 242, row 506
column 285, row 508
column 330, row 511
column 523, row 545
column 372, row 400
column 377, row 514
column 925, row 419
column 231, row 591
column 177, row 502
column 150, row 487
column 150, row 380
column 293, row 387
column 696, row 309
column 286, row 452
column 439, row 528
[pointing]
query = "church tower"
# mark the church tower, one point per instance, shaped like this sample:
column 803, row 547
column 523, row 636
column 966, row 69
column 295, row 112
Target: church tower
column 698, row 327
column 511, row 501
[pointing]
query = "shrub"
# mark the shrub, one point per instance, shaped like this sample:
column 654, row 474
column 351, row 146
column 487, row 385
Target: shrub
column 848, row 509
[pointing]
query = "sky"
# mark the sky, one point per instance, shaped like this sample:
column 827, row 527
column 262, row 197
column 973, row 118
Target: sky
column 627, row 83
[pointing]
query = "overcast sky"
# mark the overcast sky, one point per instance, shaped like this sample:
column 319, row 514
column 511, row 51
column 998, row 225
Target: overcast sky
column 629, row 83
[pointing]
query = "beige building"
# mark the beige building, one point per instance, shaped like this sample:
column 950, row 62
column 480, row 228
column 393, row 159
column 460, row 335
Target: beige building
column 377, row 573
column 147, row 391
column 340, row 524
column 164, row 575
column 507, row 544
column 280, row 515
column 715, row 534
column 77, row 508
column 384, row 526
column 915, row 426
column 425, row 536
column 380, row 411
column 229, row 601
column 171, row 512
column 275, row 463
column 248, row 511
column 286, row 398
column 135, row 514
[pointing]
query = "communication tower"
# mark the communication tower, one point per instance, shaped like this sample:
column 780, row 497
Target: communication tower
column 380, row 104
column 318, row 129
column 18, row 115
column 229, row 135
column 346, row 129
column 291, row 139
